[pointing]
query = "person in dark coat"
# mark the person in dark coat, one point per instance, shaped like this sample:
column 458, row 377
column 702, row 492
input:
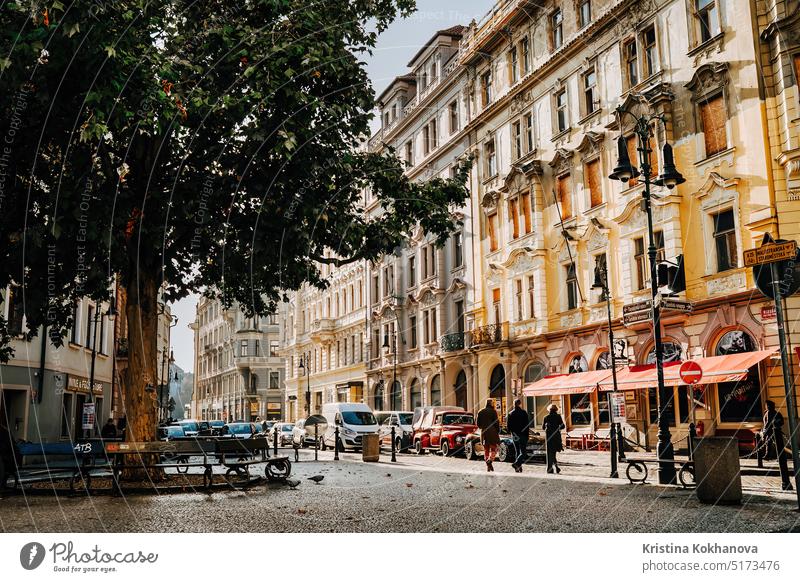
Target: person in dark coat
column 518, row 425
column 9, row 454
column 552, row 425
column 489, row 423
column 109, row 430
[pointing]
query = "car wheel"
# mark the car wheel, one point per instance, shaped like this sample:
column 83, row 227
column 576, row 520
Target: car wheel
column 469, row 451
column 504, row 454
column 445, row 448
column 322, row 444
column 398, row 445
column 418, row 447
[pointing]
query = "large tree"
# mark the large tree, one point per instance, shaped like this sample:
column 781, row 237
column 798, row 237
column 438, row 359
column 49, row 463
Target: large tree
column 192, row 146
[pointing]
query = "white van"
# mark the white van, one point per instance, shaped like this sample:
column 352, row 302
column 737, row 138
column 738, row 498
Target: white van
column 353, row 419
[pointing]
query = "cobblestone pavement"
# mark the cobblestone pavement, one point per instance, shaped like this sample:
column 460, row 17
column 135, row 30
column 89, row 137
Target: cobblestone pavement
column 427, row 493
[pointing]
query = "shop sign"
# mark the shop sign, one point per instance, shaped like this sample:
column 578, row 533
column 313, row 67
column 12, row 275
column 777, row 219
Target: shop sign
column 254, row 408
column 616, row 402
column 87, row 418
column 81, row 385
column 273, row 405
column 768, row 312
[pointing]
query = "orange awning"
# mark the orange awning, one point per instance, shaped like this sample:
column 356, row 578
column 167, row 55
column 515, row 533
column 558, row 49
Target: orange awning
column 716, row 369
column 578, row 383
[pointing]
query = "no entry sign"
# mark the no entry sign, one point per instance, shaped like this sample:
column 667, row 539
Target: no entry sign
column 691, row 372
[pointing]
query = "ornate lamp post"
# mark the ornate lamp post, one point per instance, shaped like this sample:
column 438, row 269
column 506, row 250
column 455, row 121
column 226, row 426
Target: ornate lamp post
column 305, row 368
column 670, row 177
column 615, row 435
column 111, row 314
column 393, row 347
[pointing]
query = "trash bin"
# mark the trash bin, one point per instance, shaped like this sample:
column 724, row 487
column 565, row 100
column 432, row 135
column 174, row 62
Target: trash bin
column 370, row 448
column 716, row 471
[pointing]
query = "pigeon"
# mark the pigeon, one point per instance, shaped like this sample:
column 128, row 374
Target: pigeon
column 316, row 478
column 292, row 483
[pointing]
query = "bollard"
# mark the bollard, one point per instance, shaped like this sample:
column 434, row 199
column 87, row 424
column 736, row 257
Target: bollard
column 316, row 442
column 759, row 450
column 612, row 437
column 336, row 444
column 690, row 440
column 394, row 454
column 275, row 441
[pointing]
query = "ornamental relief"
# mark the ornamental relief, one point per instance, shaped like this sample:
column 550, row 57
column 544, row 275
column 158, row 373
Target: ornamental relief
column 708, row 78
column 729, row 284
column 597, row 241
column 494, row 276
column 568, row 253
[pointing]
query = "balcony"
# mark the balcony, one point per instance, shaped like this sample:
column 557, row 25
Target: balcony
column 453, row 342
column 489, row 334
column 322, row 329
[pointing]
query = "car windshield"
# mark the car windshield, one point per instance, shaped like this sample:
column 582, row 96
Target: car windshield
column 287, row 428
column 190, row 426
column 457, row 419
column 405, row 418
column 358, row 417
column 239, row 428
column 174, row 431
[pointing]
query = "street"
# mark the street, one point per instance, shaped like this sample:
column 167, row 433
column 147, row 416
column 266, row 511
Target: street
column 424, row 494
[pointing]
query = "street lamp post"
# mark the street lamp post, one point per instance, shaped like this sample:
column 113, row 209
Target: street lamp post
column 111, row 313
column 394, row 364
column 305, row 368
column 615, row 435
column 670, row 177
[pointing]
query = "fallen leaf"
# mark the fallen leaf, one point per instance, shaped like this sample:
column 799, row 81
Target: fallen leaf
column 302, row 511
column 409, row 484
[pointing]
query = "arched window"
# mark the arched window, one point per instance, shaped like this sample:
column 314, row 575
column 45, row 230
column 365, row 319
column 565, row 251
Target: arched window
column 739, row 401
column 672, row 353
column 497, row 382
column 536, row 405
column 416, row 394
column 461, row 389
column 534, row 371
column 603, row 361
column 436, row 391
column 577, row 363
column 378, row 396
column 396, row 397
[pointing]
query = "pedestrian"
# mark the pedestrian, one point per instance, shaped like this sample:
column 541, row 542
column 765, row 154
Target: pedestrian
column 489, row 423
column 518, row 424
column 10, row 458
column 552, row 425
column 773, row 424
column 109, row 430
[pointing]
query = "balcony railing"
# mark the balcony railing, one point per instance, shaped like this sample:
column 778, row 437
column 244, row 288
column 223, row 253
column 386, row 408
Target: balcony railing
column 488, row 335
column 452, row 342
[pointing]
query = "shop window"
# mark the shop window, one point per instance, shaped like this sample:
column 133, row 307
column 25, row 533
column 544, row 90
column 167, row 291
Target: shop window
column 740, row 401
column 580, row 409
column 669, row 412
column 603, row 361
column 416, row 394
column 603, row 410
column 66, row 415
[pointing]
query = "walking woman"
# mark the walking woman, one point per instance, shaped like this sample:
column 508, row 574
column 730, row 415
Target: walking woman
column 552, row 425
column 489, row 423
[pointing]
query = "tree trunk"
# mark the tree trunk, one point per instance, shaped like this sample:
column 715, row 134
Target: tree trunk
column 140, row 387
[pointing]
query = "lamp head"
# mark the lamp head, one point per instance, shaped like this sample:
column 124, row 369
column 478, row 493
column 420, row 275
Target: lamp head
column 624, row 169
column 670, row 176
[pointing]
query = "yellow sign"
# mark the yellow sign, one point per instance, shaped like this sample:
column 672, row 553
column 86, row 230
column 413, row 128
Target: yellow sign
column 273, row 405
column 254, row 408
column 81, row 385
column 770, row 253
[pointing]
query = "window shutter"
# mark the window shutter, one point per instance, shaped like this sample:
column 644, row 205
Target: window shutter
column 565, row 196
column 633, row 155
column 713, row 117
column 594, row 183
column 526, row 211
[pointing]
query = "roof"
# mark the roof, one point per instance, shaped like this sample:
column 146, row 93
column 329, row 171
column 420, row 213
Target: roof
column 453, row 32
column 407, row 78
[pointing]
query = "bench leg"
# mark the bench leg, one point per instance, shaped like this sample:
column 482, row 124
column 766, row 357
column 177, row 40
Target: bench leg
column 278, row 470
column 641, row 470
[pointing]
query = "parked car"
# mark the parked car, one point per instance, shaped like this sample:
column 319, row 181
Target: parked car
column 192, row 427
column 215, row 426
column 354, row 420
column 444, row 429
column 506, row 452
column 172, row 431
column 240, row 430
column 266, row 426
column 304, row 430
column 284, row 430
column 401, row 421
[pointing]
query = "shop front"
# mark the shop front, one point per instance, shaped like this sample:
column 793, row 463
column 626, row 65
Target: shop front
column 82, row 407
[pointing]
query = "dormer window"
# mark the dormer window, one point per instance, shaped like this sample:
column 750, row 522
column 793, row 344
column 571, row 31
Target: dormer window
column 486, row 88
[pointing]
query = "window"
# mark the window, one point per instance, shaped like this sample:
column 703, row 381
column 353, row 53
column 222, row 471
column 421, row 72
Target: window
column 556, row 29
column 274, row 380
column 725, row 241
column 528, row 123
column 486, row 88
column 412, row 271
column 580, row 409
column 90, row 311
column 601, row 265
column 409, row 153
column 525, row 48
column 513, row 215
column 590, row 100
column 460, row 323
column 412, row 325
column 513, row 65
column 428, row 261
column 273, row 349
column 572, row 287
column 426, row 140
column 429, row 325
column 564, row 185
column 394, row 111
column 386, row 119
column 66, row 415
column 491, row 226
column 797, row 69
column 562, row 122
column 585, row 13
column 531, row 289
column 519, row 298
column 652, row 155
column 641, row 259
column 388, row 280
column 526, row 211
column 16, row 311
column 101, row 340
column 491, row 158
column 708, row 19
column 497, row 306
column 516, row 136
column 453, row 110
column 243, row 348
column 650, row 51
column 458, row 250
column 434, row 134
column 631, row 59
column 375, row 288
column 713, row 118
column 593, row 182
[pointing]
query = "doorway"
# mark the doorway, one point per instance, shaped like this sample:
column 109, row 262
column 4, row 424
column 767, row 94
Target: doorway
column 14, row 411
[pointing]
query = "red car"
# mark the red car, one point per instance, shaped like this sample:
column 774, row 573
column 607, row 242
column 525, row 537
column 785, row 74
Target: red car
column 442, row 428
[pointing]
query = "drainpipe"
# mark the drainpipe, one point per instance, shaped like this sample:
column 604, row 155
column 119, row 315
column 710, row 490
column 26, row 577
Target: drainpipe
column 42, row 359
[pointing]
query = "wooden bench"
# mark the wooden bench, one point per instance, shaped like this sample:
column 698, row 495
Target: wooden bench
column 637, row 469
column 237, row 455
column 78, row 461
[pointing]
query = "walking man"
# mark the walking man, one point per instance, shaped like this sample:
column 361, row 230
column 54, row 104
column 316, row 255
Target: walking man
column 518, row 425
column 774, row 443
column 553, row 425
column 489, row 423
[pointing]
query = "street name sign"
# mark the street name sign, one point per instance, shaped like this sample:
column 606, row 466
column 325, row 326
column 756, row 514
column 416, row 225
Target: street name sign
column 770, row 253
column 636, row 317
column 645, row 305
column 676, row 305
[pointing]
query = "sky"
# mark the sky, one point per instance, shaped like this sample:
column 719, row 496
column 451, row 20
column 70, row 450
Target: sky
column 396, row 46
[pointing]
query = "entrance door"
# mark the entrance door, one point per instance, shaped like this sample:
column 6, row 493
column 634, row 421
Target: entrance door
column 13, row 411
column 461, row 390
column 497, row 390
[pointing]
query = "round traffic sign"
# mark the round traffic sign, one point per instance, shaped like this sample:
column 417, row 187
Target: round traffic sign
column 691, row 372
